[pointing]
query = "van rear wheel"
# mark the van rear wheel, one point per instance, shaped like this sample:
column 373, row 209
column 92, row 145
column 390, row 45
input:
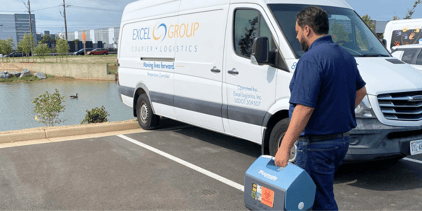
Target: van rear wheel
column 276, row 137
column 146, row 118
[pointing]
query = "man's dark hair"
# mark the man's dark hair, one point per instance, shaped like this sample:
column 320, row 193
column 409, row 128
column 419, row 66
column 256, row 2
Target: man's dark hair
column 314, row 17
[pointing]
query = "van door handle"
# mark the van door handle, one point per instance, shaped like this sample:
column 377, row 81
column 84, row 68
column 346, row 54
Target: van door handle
column 233, row 72
column 215, row 70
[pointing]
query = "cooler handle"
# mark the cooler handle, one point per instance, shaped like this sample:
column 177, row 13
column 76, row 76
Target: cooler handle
column 271, row 165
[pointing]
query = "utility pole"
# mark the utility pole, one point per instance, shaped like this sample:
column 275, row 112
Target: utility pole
column 64, row 12
column 30, row 26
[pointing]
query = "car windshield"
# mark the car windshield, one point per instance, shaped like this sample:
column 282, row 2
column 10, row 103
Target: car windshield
column 346, row 29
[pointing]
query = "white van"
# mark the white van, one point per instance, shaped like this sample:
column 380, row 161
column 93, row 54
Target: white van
column 410, row 54
column 192, row 61
column 403, row 32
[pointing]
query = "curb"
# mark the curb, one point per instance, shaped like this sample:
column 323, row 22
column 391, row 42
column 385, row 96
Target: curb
column 63, row 131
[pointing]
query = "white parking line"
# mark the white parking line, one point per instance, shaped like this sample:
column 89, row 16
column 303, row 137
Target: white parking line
column 194, row 167
column 412, row 160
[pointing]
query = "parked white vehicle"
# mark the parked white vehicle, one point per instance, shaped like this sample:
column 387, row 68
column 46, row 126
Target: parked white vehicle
column 410, row 54
column 403, row 32
column 194, row 61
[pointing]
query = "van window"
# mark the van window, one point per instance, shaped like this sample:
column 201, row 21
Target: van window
column 249, row 24
column 419, row 59
column 409, row 55
column 405, row 37
column 346, row 29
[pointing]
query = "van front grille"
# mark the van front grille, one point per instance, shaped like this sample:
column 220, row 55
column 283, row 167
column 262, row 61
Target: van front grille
column 406, row 106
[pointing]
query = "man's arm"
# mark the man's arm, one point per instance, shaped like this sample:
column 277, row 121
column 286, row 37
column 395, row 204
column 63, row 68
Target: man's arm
column 298, row 122
column 360, row 94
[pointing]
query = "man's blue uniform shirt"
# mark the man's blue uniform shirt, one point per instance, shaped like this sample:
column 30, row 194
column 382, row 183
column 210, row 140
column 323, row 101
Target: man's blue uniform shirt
column 326, row 78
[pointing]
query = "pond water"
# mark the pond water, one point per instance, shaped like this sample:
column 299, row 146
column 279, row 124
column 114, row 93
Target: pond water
column 17, row 109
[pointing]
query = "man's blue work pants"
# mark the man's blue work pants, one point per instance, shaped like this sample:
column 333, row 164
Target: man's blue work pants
column 321, row 160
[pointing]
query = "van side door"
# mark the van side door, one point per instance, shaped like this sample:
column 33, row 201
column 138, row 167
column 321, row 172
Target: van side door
column 250, row 89
column 198, row 78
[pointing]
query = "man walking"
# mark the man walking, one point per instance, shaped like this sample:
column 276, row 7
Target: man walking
column 325, row 90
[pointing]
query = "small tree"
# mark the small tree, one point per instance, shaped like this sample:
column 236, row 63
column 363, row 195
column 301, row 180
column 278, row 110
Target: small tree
column 42, row 49
column 62, row 46
column 25, row 44
column 96, row 115
column 409, row 11
column 76, row 43
column 369, row 22
column 48, row 107
column 46, row 38
column 6, row 46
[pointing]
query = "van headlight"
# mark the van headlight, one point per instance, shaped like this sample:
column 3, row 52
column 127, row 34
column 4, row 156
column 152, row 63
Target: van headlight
column 364, row 109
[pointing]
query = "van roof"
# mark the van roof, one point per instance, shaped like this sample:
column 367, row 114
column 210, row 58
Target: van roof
column 405, row 21
column 132, row 10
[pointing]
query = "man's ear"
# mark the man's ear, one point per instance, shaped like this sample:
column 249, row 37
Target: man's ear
column 307, row 30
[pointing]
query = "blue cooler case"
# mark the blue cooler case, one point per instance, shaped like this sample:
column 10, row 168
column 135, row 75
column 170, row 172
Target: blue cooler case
column 269, row 187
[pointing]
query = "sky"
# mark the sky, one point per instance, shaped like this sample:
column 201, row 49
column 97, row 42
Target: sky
column 95, row 14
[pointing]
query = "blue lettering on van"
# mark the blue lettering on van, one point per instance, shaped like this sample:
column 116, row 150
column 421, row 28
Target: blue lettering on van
column 248, row 96
column 159, row 65
column 141, row 34
column 294, row 66
column 166, row 48
column 148, row 65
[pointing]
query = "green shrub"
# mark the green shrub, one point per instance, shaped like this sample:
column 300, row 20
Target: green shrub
column 96, row 115
column 48, row 107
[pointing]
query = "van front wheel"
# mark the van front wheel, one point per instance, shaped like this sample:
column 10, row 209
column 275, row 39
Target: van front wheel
column 146, row 119
column 276, row 137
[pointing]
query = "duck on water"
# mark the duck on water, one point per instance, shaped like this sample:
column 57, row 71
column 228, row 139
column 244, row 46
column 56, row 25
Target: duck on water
column 74, row 96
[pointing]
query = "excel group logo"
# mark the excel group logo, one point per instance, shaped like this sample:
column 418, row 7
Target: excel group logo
column 184, row 30
column 163, row 26
column 161, row 31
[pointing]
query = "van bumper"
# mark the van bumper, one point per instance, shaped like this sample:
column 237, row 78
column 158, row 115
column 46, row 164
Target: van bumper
column 126, row 91
column 371, row 140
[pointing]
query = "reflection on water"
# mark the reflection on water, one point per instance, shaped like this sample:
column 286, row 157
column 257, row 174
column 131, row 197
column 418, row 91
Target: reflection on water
column 17, row 109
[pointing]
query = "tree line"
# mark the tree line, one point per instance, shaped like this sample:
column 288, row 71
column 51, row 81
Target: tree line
column 42, row 49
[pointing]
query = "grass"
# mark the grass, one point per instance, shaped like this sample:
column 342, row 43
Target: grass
column 112, row 69
column 24, row 79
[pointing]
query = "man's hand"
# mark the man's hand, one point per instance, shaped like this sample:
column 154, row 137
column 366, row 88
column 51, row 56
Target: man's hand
column 298, row 122
column 282, row 157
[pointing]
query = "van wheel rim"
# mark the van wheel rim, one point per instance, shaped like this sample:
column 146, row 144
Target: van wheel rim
column 293, row 150
column 144, row 112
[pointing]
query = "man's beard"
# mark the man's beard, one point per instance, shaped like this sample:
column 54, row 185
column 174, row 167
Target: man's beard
column 304, row 46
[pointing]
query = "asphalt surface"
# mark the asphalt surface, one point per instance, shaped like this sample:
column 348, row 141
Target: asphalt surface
column 112, row 173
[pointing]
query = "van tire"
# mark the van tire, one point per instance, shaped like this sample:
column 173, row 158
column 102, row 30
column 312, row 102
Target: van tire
column 276, row 137
column 146, row 118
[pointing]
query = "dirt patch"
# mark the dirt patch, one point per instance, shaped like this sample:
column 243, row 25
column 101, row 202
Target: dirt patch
column 9, row 67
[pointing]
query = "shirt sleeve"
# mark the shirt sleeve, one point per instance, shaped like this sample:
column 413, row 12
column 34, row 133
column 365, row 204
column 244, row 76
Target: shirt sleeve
column 306, row 84
column 360, row 83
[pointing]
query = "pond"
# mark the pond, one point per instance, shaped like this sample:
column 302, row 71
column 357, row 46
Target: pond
column 17, row 109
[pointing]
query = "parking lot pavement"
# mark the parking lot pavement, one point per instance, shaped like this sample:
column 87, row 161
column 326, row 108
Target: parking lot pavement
column 115, row 173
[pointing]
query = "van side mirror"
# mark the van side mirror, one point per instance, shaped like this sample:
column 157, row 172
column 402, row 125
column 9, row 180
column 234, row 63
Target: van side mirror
column 384, row 42
column 260, row 51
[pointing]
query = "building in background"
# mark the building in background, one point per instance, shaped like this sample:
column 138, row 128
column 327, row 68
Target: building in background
column 104, row 37
column 380, row 27
column 23, row 27
column 8, row 27
column 15, row 26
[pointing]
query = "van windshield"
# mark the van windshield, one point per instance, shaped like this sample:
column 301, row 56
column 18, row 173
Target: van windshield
column 346, row 29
